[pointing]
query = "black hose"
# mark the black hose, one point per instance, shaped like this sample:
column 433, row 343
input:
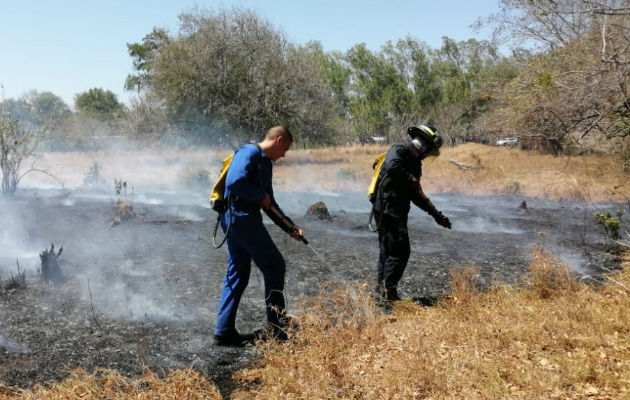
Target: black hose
column 371, row 226
column 216, row 226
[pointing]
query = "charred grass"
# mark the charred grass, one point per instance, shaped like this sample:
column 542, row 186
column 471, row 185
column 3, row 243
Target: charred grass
column 549, row 337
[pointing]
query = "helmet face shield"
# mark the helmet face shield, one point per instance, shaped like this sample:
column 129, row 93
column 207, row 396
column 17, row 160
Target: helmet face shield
column 429, row 135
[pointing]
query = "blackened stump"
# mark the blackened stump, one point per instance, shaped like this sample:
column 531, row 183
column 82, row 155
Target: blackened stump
column 50, row 270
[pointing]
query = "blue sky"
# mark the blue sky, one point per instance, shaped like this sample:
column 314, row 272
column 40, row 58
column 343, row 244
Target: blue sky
column 69, row 46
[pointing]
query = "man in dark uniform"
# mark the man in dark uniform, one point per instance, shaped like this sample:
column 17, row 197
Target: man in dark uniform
column 248, row 185
column 399, row 185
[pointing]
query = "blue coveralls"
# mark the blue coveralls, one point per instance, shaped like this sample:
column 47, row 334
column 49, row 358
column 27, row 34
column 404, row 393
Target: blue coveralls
column 247, row 181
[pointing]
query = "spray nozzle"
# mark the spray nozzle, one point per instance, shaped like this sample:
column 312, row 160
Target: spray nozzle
column 301, row 237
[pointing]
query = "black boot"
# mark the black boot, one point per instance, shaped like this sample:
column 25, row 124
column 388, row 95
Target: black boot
column 234, row 339
column 392, row 294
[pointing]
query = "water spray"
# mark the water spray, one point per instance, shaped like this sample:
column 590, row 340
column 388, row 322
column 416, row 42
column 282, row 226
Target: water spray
column 292, row 228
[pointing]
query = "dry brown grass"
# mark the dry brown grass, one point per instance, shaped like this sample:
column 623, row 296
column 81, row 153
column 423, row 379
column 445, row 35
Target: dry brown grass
column 108, row 384
column 501, row 170
column 550, row 339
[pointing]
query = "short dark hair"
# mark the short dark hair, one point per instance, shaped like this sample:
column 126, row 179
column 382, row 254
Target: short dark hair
column 279, row 130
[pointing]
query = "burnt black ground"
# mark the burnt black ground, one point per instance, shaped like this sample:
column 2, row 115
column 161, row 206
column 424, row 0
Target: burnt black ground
column 154, row 282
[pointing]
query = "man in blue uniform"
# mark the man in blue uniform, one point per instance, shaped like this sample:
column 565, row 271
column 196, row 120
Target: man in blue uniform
column 249, row 189
column 398, row 186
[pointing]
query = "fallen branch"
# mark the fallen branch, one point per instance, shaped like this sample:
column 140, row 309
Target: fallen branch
column 464, row 166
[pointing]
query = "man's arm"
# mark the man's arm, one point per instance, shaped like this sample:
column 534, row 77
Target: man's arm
column 278, row 217
column 423, row 202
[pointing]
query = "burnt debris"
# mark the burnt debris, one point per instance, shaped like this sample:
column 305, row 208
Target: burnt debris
column 124, row 206
column 50, row 270
column 17, row 281
column 318, row 211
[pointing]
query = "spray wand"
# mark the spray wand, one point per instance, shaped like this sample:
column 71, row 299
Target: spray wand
column 291, row 228
column 284, row 221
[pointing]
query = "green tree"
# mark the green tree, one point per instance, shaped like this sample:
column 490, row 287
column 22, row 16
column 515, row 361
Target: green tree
column 47, row 107
column 16, row 144
column 233, row 69
column 379, row 92
column 413, row 61
column 36, row 109
column 19, row 110
column 335, row 73
column 99, row 104
column 143, row 55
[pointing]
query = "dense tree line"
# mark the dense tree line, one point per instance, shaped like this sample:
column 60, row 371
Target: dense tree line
column 97, row 113
column 234, row 72
column 227, row 76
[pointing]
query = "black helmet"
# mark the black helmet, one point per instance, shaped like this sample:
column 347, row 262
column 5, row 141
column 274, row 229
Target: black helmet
column 430, row 134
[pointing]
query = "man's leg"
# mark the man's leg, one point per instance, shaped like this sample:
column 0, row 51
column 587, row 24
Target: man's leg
column 394, row 254
column 234, row 284
column 271, row 263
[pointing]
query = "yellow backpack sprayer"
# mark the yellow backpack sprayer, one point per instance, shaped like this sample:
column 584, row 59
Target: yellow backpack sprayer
column 371, row 192
column 217, row 202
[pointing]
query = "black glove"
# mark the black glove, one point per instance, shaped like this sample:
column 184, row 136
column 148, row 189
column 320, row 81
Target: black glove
column 442, row 220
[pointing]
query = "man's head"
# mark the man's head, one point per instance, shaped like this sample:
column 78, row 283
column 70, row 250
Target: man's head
column 277, row 142
column 426, row 140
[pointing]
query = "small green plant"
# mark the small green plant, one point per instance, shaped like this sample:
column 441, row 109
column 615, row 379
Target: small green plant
column 609, row 222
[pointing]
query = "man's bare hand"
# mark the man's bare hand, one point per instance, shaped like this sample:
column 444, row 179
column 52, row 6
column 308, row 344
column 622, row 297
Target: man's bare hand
column 266, row 201
column 297, row 233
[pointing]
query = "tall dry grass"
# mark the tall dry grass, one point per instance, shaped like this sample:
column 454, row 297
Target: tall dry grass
column 497, row 170
column 550, row 337
column 108, row 384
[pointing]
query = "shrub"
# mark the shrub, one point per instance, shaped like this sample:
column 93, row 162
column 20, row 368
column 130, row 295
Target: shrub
column 609, row 222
